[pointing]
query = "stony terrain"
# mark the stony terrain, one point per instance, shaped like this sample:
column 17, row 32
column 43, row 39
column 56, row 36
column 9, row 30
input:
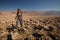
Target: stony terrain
column 34, row 27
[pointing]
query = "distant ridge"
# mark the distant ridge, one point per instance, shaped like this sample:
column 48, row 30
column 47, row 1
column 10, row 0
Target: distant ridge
column 34, row 12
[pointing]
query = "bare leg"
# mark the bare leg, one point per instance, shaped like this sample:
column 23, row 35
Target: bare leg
column 21, row 23
column 20, row 20
column 17, row 23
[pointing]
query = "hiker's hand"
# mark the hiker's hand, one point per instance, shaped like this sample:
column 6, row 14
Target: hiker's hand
column 16, row 17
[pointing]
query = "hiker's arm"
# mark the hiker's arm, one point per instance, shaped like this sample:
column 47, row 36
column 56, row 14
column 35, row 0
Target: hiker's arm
column 16, row 16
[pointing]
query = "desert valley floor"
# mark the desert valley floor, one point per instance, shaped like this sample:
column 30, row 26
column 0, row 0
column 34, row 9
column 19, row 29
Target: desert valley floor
column 34, row 27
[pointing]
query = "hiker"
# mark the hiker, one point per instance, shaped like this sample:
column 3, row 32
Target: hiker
column 19, row 17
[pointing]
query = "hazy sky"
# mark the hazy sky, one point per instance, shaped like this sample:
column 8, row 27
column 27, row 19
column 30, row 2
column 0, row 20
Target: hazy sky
column 30, row 4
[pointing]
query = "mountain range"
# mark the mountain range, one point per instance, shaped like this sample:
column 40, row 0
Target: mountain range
column 34, row 12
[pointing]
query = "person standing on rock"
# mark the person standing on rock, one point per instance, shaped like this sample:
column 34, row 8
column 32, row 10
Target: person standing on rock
column 19, row 17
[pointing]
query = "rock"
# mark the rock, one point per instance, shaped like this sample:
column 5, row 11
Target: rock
column 58, row 26
column 15, row 35
column 9, row 37
column 26, row 38
column 37, row 35
column 21, row 30
column 39, row 27
column 52, row 36
column 50, row 28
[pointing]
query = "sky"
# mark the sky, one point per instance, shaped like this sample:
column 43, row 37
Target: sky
column 38, row 5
